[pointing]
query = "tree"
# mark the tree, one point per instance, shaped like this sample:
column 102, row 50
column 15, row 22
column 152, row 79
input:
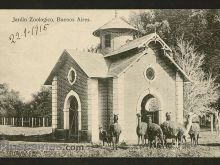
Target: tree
column 40, row 105
column 201, row 28
column 202, row 93
column 10, row 101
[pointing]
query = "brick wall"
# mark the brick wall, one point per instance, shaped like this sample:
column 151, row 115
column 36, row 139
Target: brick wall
column 104, row 102
column 80, row 87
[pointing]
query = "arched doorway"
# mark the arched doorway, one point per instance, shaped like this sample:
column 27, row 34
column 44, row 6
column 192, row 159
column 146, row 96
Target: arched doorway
column 72, row 114
column 150, row 107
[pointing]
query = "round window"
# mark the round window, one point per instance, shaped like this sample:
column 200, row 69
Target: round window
column 72, row 76
column 150, row 74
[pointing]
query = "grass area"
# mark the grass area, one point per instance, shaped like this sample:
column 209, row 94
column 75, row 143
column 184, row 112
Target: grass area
column 26, row 131
column 129, row 151
column 209, row 146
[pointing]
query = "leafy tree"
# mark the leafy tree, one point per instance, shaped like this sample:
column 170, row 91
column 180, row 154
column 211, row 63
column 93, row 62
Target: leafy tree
column 40, row 105
column 10, row 101
column 200, row 27
column 202, row 92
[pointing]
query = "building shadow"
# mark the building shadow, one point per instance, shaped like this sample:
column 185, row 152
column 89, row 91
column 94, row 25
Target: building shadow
column 211, row 144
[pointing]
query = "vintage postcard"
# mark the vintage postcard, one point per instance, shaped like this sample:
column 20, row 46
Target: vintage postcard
column 110, row 83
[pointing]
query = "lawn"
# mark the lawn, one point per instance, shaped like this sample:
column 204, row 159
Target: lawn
column 26, row 131
column 209, row 146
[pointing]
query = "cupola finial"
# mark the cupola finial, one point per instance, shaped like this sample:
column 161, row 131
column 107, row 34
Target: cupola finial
column 116, row 13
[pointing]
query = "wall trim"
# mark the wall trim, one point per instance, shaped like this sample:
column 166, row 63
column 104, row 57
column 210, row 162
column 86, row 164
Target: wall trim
column 66, row 109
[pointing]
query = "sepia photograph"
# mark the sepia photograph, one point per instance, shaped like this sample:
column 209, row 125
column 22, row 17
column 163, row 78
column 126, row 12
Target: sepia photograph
column 110, row 83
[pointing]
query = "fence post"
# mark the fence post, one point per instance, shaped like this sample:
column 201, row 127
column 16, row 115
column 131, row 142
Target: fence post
column 4, row 120
column 32, row 122
column 22, row 122
column 43, row 122
column 39, row 122
column 13, row 121
column 35, row 121
column 211, row 123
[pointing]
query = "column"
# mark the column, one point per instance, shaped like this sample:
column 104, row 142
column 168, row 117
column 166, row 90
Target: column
column 118, row 103
column 54, row 103
column 93, row 121
column 179, row 98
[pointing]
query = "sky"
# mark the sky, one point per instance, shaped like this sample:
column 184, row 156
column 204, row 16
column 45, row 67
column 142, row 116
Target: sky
column 25, row 64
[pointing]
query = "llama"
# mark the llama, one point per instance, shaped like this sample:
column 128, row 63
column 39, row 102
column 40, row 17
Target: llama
column 194, row 133
column 154, row 131
column 173, row 130
column 115, row 131
column 194, row 129
column 104, row 136
column 141, row 130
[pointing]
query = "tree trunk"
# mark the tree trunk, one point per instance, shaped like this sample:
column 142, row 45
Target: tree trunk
column 211, row 123
column 218, row 123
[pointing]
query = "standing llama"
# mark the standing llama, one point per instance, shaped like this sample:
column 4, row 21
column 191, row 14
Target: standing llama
column 115, row 131
column 194, row 128
column 141, row 130
column 154, row 131
column 176, row 131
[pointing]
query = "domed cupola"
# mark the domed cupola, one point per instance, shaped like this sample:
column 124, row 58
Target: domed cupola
column 114, row 34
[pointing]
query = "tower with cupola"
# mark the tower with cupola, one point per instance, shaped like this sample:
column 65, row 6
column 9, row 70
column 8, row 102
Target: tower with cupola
column 114, row 34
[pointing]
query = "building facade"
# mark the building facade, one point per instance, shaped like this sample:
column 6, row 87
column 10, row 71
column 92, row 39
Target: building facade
column 128, row 75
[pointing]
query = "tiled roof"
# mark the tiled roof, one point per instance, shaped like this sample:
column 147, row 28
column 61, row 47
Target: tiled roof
column 115, row 23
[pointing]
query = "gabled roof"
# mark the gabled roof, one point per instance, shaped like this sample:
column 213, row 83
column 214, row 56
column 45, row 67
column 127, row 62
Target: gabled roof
column 97, row 65
column 115, row 23
column 93, row 64
column 118, row 66
column 138, row 43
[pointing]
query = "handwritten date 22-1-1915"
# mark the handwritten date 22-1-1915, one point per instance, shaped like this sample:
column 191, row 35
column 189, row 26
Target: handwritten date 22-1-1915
column 34, row 31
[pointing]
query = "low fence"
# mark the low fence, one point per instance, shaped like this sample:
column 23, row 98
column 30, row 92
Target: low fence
column 26, row 121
